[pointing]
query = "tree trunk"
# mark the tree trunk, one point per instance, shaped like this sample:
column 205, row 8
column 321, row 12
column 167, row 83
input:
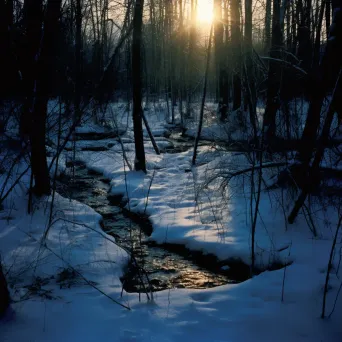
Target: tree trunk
column 312, row 178
column 327, row 16
column 78, row 58
column 46, row 64
column 4, row 294
column 304, row 39
column 268, row 17
column 294, row 22
column 6, row 64
column 221, row 72
column 288, row 28
column 140, row 161
column 194, row 156
column 181, row 61
column 191, row 53
column 78, row 75
column 317, row 48
column 37, row 74
column 272, row 101
column 250, row 85
column 236, row 48
column 324, row 78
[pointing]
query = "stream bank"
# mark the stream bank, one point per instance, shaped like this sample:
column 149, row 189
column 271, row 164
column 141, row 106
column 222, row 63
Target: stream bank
column 162, row 266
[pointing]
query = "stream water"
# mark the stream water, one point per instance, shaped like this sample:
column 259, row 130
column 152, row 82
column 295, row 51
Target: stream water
column 154, row 267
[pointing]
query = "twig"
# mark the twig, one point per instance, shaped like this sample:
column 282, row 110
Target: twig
column 14, row 184
column 284, row 275
column 149, row 189
column 338, row 292
column 121, row 143
column 285, row 62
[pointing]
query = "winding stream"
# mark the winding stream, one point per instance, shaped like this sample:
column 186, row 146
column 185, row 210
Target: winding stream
column 156, row 267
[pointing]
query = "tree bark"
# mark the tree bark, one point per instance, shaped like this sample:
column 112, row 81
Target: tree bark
column 268, row 17
column 45, row 72
column 194, row 156
column 221, row 72
column 236, row 48
column 304, row 40
column 6, row 64
column 140, row 161
column 38, row 71
column 191, row 53
column 4, row 294
column 317, row 47
column 272, row 101
column 327, row 16
column 249, row 79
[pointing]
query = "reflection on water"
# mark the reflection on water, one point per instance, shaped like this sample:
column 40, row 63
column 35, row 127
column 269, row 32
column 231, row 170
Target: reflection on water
column 163, row 268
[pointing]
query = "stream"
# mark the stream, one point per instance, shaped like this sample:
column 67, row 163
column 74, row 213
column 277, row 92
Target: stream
column 154, row 267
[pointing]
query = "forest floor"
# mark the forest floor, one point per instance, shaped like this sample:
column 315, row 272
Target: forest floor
column 56, row 283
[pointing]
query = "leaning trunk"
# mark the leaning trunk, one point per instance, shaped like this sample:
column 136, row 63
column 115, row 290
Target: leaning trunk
column 325, row 77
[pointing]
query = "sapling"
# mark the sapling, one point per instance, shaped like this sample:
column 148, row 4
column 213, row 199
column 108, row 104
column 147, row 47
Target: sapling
column 284, row 274
column 330, row 266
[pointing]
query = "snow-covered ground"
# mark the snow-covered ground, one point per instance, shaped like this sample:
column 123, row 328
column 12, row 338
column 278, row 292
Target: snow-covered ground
column 185, row 205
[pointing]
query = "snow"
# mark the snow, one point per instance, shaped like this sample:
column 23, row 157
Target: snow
column 182, row 210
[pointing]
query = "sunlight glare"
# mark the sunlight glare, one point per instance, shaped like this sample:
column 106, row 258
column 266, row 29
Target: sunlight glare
column 205, row 11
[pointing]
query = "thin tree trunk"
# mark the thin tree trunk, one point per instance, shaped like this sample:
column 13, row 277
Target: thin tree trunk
column 203, row 98
column 250, row 85
column 327, row 16
column 140, row 161
column 272, row 101
column 317, row 49
column 304, row 40
column 220, row 57
column 78, row 75
column 4, row 294
column 192, row 44
column 330, row 266
column 268, row 17
column 236, row 47
column 181, row 61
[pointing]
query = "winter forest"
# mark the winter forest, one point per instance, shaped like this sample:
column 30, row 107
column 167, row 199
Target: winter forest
column 170, row 170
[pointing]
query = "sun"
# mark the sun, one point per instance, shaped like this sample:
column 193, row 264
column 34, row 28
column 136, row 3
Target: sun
column 205, row 11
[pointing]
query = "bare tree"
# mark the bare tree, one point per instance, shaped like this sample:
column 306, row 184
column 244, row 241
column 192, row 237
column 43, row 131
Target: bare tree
column 220, row 61
column 140, row 162
column 236, row 47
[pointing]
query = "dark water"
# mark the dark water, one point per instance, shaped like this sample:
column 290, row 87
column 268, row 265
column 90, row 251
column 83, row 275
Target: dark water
column 154, row 267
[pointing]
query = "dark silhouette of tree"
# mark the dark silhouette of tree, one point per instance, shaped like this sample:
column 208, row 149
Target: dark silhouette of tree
column 4, row 294
column 236, row 48
column 220, row 61
column 140, row 162
column 272, row 100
